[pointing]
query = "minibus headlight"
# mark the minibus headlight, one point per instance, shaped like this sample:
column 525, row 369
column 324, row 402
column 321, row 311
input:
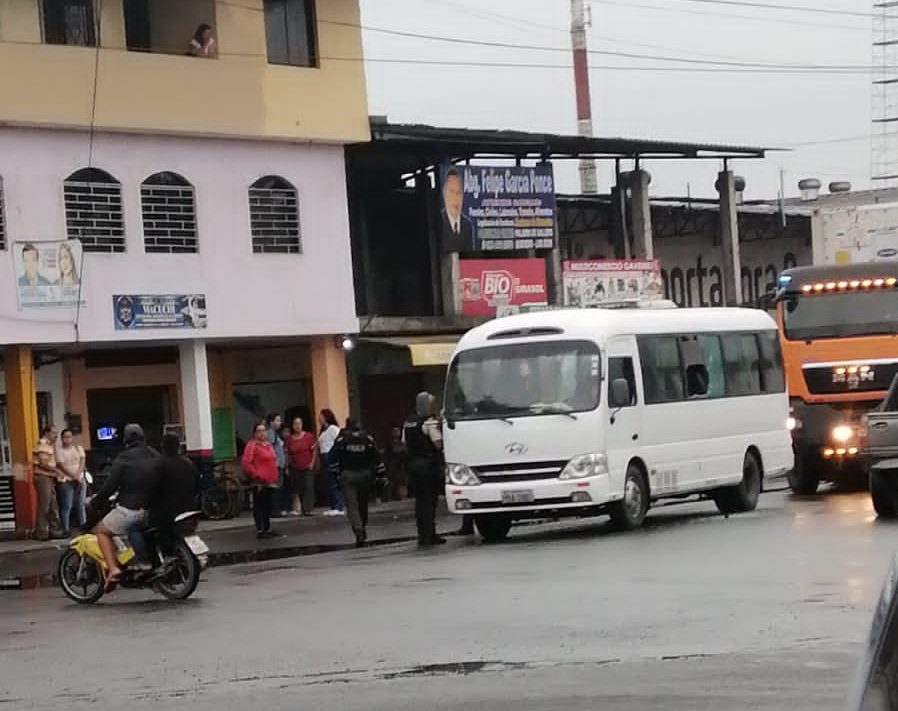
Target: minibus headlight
column 584, row 466
column 461, row 475
column 791, row 423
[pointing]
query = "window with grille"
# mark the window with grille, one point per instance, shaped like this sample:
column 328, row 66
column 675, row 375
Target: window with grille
column 2, row 219
column 274, row 216
column 70, row 22
column 169, row 214
column 93, row 210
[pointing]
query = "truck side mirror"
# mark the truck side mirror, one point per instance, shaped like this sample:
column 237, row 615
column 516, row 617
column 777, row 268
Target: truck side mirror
column 620, row 393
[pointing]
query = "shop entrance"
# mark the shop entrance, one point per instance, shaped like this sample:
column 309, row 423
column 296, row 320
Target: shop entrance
column 110, row 410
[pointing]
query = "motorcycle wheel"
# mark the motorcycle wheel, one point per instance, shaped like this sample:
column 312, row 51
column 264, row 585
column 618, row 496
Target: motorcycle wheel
column 184, row 576
column 80, row 577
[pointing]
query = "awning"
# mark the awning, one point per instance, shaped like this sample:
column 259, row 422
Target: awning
column 425, row 350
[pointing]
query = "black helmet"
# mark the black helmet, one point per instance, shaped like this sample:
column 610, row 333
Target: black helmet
column 133, row 434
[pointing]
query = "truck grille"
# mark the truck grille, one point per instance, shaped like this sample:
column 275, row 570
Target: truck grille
column 856, row 377
column 509, row 473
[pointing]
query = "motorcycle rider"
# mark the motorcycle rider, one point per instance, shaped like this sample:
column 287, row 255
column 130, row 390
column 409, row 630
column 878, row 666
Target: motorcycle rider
column 424, row 438
column 177, row 481
column 354, row 459
column 133, row 477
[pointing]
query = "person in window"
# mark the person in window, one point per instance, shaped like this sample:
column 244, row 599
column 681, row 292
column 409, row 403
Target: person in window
column 458, row 230
column 203, row 43
column 31, row 263
column 65, row 261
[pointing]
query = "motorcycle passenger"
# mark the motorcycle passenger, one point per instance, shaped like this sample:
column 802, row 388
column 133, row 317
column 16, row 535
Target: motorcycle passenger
column 424, row 439
column 132, row 476
column 355, row 460
column 177, row 481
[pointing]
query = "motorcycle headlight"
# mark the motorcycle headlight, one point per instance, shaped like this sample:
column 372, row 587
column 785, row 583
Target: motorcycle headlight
column 461, row 475
column 584, row 466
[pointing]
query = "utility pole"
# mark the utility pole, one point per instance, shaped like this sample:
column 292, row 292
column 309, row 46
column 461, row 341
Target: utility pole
column 579, row 23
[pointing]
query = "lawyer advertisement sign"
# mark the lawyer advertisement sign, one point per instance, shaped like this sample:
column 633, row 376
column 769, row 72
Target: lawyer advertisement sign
column 141, row 311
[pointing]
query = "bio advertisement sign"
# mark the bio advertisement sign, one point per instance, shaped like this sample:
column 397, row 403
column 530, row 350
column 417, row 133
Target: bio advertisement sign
column 497, row 208
column 491, row 285
column 48, row 274
column 141, row 311
column 594, row 282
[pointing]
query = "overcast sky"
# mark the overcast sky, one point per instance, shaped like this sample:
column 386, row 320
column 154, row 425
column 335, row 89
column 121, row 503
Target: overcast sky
column 768, row 109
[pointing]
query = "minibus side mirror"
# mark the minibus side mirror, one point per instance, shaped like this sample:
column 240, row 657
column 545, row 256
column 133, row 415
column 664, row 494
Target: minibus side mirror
column 620, row 393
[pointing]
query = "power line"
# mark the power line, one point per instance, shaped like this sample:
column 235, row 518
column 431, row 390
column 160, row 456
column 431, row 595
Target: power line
column 782, row 8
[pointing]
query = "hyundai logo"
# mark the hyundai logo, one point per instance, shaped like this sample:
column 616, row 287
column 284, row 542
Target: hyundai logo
column 516, row 448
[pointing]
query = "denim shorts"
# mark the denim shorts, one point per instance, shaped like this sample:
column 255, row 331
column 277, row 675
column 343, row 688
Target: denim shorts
column 121, row 520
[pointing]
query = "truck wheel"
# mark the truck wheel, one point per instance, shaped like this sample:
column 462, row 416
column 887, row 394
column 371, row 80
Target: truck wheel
column 630, row 511
column 743, row 496
column 804, row 477
column 885, row 494
column 493, row 529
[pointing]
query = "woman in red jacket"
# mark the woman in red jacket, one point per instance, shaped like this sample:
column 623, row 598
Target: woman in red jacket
column 260, row 462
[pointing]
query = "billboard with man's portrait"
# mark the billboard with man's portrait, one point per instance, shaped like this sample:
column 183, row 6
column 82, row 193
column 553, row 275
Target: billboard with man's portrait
column 489, row 208
column 48, row 274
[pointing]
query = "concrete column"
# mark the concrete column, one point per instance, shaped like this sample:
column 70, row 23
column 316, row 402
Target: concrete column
column 729, row 238
column 449, row 276
column 75, row 377
column 21, row 415
column 330, row 385
column 641, row 211
column 196, row 398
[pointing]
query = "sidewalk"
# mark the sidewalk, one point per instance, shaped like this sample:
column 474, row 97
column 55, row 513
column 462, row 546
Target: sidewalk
column 234, row 540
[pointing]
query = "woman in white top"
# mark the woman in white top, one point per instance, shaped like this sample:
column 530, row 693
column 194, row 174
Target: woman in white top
column 328, row 434
column 203, row 43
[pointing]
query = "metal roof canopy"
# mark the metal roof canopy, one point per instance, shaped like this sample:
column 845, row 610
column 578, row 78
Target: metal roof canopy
column 419, row 146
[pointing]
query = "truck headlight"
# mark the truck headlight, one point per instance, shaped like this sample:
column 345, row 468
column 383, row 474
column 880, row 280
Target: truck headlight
column 584, row 466
column 461, row 475
column 842, row 433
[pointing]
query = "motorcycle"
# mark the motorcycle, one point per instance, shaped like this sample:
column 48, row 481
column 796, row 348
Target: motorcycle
column 82, row 570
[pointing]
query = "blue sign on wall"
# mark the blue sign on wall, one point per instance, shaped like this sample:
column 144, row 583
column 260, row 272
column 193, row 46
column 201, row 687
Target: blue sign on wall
column 488, row 208
column 140, row 311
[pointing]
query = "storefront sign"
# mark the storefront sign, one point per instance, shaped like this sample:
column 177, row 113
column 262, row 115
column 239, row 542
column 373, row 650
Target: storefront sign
column 490, row 284
column 427, row 353
column 594, row 282
column 48, row 274
column 132, row 312
column 488, row 208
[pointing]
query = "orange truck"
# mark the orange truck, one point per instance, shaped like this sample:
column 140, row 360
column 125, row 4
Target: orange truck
column 839, row 333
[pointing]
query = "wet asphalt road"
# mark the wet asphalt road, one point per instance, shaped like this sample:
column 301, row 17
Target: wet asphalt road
column 767, row 610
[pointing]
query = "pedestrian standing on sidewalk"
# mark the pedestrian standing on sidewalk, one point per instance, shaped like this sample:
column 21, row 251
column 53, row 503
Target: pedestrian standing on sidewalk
column 283, row 495
column 424, row 438
column 261, row 465
column 46, row 475
column 300, row 459
column 327, row 436
column 355, row 459
column 71, row 490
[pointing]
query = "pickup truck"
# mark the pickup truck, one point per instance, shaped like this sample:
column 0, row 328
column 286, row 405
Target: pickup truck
column 879, row 449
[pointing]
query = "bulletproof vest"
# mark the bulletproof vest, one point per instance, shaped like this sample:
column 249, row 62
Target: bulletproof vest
column 357, row 451
column 417, row 441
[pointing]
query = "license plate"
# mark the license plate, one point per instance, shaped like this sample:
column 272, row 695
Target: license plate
column 196, row 545
column 521, row 496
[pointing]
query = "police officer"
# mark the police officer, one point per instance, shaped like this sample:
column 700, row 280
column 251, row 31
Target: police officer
column 355, row 461
column 424, row 439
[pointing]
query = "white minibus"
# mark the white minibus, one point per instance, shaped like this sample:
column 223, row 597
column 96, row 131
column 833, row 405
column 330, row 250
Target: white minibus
column 595, row 411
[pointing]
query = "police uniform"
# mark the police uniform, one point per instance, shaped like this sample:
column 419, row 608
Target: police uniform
column 355, row 460
column 424, row 440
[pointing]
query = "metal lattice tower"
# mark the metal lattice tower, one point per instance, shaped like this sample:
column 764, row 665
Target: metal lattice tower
column 884, row 156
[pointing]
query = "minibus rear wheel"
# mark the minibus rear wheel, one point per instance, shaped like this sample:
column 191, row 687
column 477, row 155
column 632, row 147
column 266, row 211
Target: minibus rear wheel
column 743, row 496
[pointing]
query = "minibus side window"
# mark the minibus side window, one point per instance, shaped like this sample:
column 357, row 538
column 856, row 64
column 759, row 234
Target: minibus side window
column 662, row 372
column 772, row 376
column 714, row 362
column 622, row 368
column 742, row 364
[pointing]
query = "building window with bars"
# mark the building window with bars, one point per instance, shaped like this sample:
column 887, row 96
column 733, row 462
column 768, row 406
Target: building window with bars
column 274, row 216
column 70, row 22
column 290, row 32
column 169, row 214
column 93, row 210
column 2, row 219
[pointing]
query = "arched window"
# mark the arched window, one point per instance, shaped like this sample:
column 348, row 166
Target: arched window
column 169, row 214
column 2, row 219
column 274, row 216
column 93, row 210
